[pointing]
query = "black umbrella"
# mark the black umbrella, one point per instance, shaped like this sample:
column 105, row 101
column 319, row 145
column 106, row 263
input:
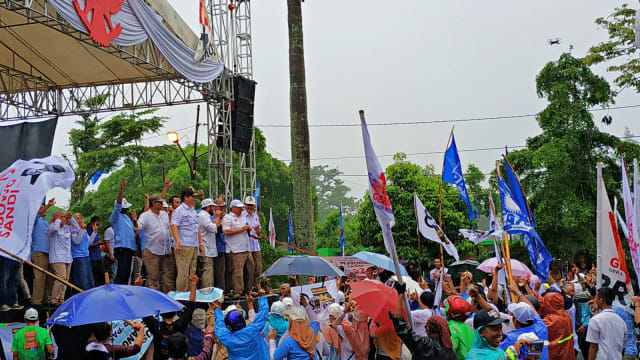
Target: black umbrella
column 302, row 265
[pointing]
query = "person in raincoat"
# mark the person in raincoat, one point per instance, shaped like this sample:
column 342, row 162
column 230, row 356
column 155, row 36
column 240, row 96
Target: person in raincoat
column 487, row 336
column 436, row 345
column 559, row 325
column 243, row 342
column 276, row 322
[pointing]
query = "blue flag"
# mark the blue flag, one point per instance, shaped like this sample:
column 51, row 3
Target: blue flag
column 290, row 238
column 256, row 194
column 518, row 193
column 475, row 208
column 516, row 221
column 97, row 175
column 452, row 173
column 341, row 231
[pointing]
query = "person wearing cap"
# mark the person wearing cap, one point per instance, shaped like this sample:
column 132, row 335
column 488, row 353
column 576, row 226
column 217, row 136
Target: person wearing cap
column 60, row 230
column 186, row 233
column 525, row 320
column 157, row 255
column 208, row 228
column 195, row 331
column 487, row 336
column 32, row 341
column 124, row 236
column 253, row 220
column 236, row 232
column 243, row 342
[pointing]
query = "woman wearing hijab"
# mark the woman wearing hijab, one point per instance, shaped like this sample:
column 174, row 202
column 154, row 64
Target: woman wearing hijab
column 301, row 343
column 330, row 334
column 559, row 325
column 276, row 321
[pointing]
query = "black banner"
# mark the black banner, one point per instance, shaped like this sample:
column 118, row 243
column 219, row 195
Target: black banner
column 27, row 140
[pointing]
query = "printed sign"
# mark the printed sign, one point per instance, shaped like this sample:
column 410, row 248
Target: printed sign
column 319, row 296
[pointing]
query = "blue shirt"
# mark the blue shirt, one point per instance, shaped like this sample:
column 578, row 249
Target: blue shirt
column 94, row 253
column 81, row 249
column 122, row 229
column 630, row 349
column 39, row 238
column 539, row 328
column 290, row 350
column 220, row 244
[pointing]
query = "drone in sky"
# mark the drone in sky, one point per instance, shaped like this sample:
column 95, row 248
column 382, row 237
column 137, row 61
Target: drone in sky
column 555, row 41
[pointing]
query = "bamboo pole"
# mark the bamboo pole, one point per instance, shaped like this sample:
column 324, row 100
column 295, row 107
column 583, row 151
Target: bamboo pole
column 43, row 270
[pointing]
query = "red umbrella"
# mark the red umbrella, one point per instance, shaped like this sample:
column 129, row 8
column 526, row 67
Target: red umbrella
column 375, row 299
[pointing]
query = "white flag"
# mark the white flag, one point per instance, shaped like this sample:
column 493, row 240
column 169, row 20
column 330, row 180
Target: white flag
column 23, row 186
column 634, row 246
column 431, row 230
column 272, row 230
column 623, row 225
column 495, row 230
column 611, row 265
column 378, row 189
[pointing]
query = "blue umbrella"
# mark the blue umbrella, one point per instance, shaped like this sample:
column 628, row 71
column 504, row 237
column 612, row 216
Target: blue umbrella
column 302, row 265
column 380, row 261
column 112, row 302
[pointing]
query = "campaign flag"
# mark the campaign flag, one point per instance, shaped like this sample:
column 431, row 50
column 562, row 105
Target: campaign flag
column 272, row 230
column 517, row 192
column 23, row 186
column 475, row 208
column 452, row 173
column 290, row 238
column 431, row 230
column 611, row 264
column 204, row 50
column 476, row 236
column 634, row 244
column 256, row 195
column 378, row 189
column 97, row 175
column 341, row 231
column 516, row 221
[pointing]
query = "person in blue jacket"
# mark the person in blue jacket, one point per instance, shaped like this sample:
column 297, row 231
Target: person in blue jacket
column 243, row 342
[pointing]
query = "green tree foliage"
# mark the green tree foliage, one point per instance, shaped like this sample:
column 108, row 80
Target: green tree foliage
column 331, row 192
column 101, row 145
column 619, row 51
column 328, row 233
column 558, row 167
column 403, row 179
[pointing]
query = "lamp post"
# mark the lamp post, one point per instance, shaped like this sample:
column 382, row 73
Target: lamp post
column 173, row 137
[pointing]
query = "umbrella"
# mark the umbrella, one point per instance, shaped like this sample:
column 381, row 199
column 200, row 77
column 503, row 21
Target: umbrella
column 517, row 268
column 205, row 295
column 380, row 261
column 112, row 302
column 302, row 265
column 412, row 285
column 375, row 299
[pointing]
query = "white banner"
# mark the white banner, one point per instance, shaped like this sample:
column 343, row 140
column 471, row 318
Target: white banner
column 611, row 265
column 319, row 296
column 350, row 265
column 23, row 186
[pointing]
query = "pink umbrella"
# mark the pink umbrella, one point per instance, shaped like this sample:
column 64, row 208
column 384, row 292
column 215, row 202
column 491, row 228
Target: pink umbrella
column 517, row 268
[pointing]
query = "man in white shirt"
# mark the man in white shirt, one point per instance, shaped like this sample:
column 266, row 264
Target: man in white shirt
column 184, row 227
column 253, row 220
column 158, row 256
column 607, row 332
column 61, row 228
column 208, row 230
column 236, row 232
column 436, row 272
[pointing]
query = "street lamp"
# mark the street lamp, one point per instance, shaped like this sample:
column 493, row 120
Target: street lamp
column 173, row 137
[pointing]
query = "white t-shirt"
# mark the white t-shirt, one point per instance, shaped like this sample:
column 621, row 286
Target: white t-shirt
column 609, row 331
column 237, row 243
column 420, row 318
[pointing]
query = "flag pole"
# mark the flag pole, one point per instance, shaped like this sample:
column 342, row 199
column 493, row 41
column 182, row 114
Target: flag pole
column 507, row 252
column 415, row 210
column 440, row 198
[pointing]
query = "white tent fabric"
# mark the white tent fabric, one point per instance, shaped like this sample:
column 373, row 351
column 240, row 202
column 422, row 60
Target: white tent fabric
column 140, row 22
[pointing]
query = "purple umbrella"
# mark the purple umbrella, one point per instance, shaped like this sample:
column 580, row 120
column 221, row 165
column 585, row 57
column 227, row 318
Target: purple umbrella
column 517, row 268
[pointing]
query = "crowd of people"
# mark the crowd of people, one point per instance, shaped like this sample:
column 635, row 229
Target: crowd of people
column 162, row 246
column 173, row 247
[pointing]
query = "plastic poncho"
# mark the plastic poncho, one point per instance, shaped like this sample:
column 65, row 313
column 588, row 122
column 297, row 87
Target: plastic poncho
column 461, row 338
column 482, row 350
column 245, row 344
column 560, row 327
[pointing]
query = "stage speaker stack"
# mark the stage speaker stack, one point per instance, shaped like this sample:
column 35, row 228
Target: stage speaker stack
column 242, row 114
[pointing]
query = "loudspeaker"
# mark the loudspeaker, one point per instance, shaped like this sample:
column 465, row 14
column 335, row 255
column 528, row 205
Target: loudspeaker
column 242, row 114
column 244, row 89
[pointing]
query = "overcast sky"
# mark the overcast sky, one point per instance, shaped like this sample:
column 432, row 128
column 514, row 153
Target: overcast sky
column 408, row 61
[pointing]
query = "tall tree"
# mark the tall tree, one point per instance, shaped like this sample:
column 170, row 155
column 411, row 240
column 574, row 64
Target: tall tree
column 619, row 50
column 558, row 166
column 300, row 160
column 331, row 191
column 100, row 145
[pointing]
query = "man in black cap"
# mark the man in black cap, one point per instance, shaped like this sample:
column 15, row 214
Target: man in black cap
column 486, row 340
